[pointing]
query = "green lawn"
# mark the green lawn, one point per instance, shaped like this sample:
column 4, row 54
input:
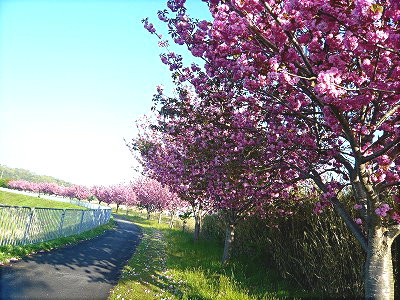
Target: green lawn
column 7, row 198
column 11, row 253
column 169, row 265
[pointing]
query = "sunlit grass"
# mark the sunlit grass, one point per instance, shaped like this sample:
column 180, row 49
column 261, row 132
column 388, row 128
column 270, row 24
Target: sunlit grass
column 7, row 198
column 145, row 275
column 169, row 265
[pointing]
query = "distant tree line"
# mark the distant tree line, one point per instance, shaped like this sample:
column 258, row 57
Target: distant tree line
column 22, row 174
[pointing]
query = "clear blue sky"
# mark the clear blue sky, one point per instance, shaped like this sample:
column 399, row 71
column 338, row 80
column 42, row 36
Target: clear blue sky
column 74, row 76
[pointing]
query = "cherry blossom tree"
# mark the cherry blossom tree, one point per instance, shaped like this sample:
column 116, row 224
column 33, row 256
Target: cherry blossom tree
column 49, row 188
column 77, row 191
column 19, row 185
column 103, row 194
column 96, row 190
column 23, row 185
column 171, row 163
column 117, row 194
column 151, row 195
column 174, row 205
column 229, row 162
column 130, row 198
column 121, row 194
column 226, row 166
column 325, row 78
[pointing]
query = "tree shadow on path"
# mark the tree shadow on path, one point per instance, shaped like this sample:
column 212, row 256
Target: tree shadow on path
column 87, row 270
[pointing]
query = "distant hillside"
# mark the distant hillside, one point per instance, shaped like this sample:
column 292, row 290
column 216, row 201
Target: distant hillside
column 16, row 173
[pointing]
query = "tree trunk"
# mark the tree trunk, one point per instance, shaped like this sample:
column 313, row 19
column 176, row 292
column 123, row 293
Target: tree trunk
column 171, row 221
column 229, row 237
column 159, row 218
column 127, row 210
column 184, row 226
column 197, row 227
column 117, row 207
column 379, row 282
column 148, row 214
column 396, row 262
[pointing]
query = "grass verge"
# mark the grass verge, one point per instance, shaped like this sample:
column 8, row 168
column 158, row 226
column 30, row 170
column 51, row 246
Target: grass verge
column 169, row 265
column 7, row 198
column 11, row 253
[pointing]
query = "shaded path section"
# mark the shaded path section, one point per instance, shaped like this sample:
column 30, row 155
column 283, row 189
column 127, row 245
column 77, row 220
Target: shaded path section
column 87, row 270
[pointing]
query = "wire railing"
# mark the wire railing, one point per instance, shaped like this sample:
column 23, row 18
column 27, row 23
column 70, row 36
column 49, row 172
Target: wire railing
column 21, row 225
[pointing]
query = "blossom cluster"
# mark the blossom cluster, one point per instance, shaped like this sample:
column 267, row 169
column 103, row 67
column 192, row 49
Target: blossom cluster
column 290, row 91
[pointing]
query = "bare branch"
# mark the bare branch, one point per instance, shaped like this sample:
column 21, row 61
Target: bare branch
column 364, row 88
column 385, row 149
column 393, row 231
column 343, row 213
column 381, row 187
column 387, row 115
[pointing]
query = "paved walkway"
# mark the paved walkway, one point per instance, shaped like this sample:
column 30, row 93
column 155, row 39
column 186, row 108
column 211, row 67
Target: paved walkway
column 87, row 270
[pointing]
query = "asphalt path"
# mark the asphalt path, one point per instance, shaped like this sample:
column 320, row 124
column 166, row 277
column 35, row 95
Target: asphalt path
column 87, row 270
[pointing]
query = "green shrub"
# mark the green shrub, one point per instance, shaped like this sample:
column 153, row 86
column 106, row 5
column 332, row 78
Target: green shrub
column 213, row 227
column 317, row 252
column 4, row 182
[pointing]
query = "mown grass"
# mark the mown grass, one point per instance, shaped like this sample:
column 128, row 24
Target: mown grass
column 169, row 265
column 7, row 198
column 145, row 275
column 12, row 253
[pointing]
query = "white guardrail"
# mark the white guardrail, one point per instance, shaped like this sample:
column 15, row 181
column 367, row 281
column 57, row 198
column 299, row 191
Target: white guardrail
column 21, row 225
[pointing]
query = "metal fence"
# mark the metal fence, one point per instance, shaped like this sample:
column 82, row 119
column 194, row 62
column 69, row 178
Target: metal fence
column 27, row 225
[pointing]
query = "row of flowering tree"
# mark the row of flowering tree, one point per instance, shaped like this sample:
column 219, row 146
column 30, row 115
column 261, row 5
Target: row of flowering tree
column 143, row 193
column 120, row 194
column 74, row 191
column 212, row 169
column 290, row 91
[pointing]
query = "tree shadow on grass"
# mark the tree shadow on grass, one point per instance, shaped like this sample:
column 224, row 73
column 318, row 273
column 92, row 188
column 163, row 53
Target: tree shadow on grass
column 207, row 278
column 201, row 274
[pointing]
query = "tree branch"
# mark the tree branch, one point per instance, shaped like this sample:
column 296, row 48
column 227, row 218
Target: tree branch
column 393, row 231
column 387, row 115
column 291, row 37
column 385, row 149
column 342, row 212
column 382, row 186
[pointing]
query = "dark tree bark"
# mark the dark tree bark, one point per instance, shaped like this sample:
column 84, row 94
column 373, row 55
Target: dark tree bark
column 197, row 226
column 171, row 221
column 229, row 238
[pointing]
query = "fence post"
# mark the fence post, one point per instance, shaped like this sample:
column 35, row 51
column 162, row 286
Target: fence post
column 102, row 215
column 105, row 216
column 80, row 226
column 108, row 216
column 61, row 223
column 28, row 225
